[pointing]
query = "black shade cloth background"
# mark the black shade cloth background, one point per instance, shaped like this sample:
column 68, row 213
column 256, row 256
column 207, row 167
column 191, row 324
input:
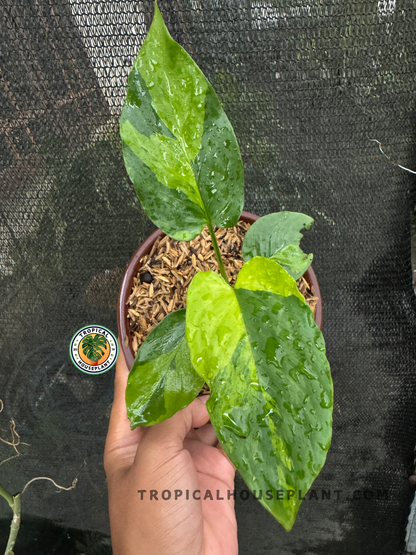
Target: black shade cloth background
column 306, row 87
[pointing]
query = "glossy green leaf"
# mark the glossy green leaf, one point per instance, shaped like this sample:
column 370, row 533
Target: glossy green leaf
column 162, row 379
column 277, row 236
column 179, row 147
column 271, row 389
column 264, row 274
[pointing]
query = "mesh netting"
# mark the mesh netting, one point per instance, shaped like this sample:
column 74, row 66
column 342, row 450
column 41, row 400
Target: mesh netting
column 306, row 86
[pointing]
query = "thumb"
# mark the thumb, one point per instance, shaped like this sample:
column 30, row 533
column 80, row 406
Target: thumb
column 119, row 426
column 121, row 442
column 170, row 434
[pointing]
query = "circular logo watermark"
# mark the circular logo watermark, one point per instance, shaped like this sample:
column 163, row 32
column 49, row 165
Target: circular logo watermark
column 94, row 349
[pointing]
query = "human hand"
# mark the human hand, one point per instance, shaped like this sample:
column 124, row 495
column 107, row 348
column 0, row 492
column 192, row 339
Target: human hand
column 168, row 456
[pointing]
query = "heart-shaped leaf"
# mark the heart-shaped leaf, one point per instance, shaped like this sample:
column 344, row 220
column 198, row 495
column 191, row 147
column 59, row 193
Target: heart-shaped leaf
column 277, row 236
column 179, row 147
column 264, row 360
column 162, row 379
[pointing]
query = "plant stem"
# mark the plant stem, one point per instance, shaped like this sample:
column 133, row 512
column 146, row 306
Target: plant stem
column 14, row 526
column 7, row 496
column 217, row 253
column 14, row 502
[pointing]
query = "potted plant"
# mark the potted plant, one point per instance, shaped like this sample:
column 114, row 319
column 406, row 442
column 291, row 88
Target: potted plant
column 253, row 342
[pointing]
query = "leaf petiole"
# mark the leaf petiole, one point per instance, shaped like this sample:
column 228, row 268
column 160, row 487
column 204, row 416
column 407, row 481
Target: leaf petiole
column 218, row 253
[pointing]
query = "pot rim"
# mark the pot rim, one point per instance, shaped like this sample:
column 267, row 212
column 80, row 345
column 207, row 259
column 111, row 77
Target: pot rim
column 134, row 266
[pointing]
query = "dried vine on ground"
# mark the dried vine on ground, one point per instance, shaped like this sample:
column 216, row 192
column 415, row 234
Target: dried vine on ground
column 14, row 500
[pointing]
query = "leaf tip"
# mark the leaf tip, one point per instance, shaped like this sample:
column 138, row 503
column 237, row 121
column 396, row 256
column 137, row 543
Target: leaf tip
column 289, row 519
column 288, row 526
column 157, row 16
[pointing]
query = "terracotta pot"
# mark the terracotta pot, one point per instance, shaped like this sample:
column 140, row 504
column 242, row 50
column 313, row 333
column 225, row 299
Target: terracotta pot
column 131, row 272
